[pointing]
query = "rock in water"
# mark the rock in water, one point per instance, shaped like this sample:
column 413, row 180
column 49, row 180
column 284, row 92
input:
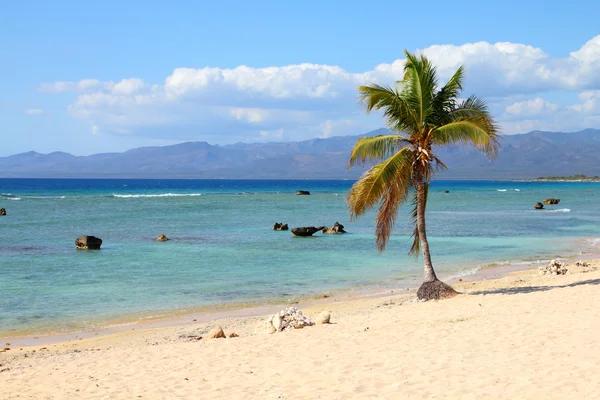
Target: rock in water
column 2, row 211
column 538, row 206
column 280, row 226
column 88, row 243
column 323, row 318
column 551, row 200
column 306, row 230
column 302, row 193
column 337, row 228
column 162, row 238
column 216, row 333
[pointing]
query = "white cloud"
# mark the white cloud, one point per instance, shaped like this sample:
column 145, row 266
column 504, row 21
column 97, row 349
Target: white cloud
column 529, row 108
column 35, row 111
column 307, row 100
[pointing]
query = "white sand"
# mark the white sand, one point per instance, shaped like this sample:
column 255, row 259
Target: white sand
column 520, row 337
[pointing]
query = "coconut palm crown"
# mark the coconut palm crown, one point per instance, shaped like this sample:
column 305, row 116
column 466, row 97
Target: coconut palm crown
column 421, row 117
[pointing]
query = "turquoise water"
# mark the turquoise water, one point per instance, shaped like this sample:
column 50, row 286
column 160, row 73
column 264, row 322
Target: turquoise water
column 223, row 250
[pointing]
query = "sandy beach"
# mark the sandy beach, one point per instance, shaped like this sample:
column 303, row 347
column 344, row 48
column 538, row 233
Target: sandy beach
column 522, row 336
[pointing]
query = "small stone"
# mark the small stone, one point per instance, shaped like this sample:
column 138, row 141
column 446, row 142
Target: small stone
column 233, row 334
column 277, row 322
column 216, row 333
column 265, row 327
column 323, row 318
column 299, row 326
column 162, row 238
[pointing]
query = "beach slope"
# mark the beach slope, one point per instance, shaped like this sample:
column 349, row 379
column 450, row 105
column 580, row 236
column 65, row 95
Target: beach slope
column 522, row 336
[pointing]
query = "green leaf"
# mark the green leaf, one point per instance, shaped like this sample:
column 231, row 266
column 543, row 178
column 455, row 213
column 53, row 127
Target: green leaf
column 378, row 147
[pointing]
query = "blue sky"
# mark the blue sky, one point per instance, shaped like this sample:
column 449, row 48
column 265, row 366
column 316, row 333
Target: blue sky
column 87, row 77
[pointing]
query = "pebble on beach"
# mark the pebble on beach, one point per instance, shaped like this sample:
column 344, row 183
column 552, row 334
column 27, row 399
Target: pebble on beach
column 216, row 333
column 323, row 318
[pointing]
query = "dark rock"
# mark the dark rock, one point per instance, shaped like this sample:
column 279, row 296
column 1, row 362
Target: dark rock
column 2, row 211
column 446, row 191
column 306, row 230
column 280, row 226
column 162, row 238
column 302, row 192
column 538, row 206
column 551, row 200
column 337, row 228
column 88, row 243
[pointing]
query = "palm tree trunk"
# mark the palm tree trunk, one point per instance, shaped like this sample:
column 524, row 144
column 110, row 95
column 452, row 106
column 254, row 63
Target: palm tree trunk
column 431, row 288
column 429, row 272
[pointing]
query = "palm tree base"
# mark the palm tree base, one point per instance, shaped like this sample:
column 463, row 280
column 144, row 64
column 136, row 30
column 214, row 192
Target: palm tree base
column 435, row 290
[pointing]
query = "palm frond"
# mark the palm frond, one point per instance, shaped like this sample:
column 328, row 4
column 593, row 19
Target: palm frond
column 419, row 85
column 374, row 185
column 375, row 148
column 415, row 249
column 396, row 193
column 477, row 130
column 445, row 100
column 473, row 106
column 396, row 111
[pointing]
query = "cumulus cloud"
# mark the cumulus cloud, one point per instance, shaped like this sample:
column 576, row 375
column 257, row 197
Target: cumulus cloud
column 307, row 100
column 529, row 108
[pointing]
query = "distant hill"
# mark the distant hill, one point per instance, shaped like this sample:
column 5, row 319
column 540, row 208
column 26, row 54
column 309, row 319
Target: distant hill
column 524, row 156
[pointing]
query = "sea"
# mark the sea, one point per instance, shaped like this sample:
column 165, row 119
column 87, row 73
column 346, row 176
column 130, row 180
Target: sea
column 223, row 253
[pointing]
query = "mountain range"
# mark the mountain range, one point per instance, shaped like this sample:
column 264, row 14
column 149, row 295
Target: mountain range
column 521, row 156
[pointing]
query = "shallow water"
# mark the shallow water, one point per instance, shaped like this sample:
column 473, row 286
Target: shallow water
column 223, row 250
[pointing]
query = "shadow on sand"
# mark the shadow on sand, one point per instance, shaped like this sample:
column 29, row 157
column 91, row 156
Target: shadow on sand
column 532, row 289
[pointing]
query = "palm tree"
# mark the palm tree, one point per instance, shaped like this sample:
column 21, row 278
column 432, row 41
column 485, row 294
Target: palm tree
column 421, row 117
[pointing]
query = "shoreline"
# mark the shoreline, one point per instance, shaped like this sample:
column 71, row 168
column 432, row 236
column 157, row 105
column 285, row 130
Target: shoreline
column 183, row 318
column 524, row 336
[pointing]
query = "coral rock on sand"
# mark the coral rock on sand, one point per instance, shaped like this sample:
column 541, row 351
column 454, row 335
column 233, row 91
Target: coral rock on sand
column 280, row 226
column 284, row 320
column 302, row 193
column 216, row 333
column 554, row 268
column 551, row 200
column 323, row 318
column 162, row 238
column 337, row 228
column 538, row 206
column 88, row 243
column 2, row 211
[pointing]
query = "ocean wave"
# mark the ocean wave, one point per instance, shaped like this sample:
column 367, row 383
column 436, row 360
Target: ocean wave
column 44, row 197
column 564, row 210
column 500, row 190
column 594, row 241
column 506, row 190
column 13, row 198
column 137, row 196
column 9, row 196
